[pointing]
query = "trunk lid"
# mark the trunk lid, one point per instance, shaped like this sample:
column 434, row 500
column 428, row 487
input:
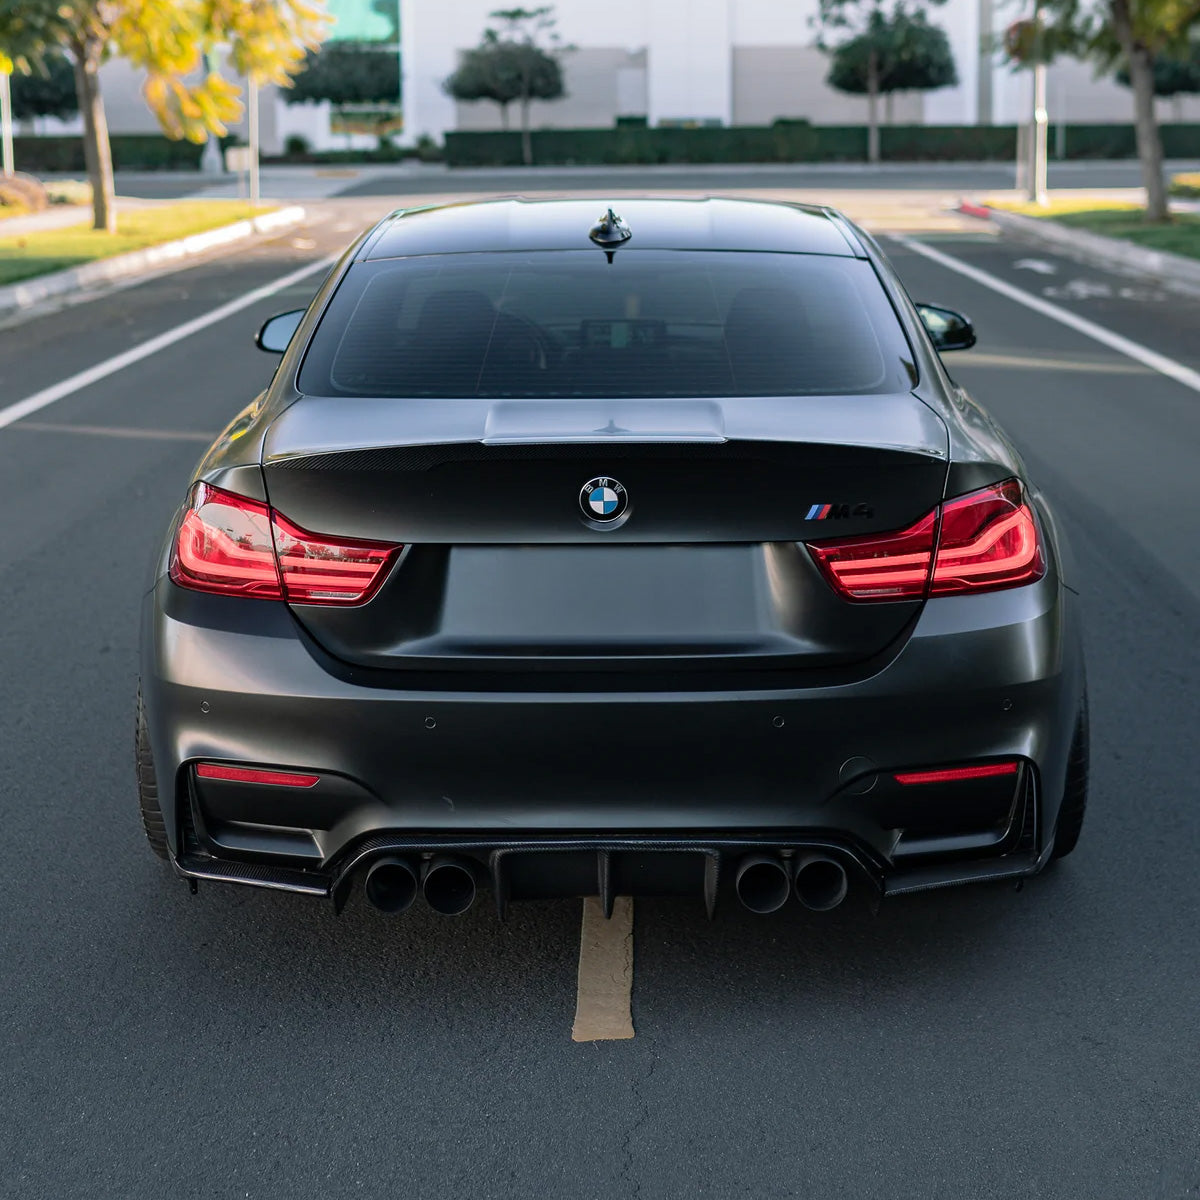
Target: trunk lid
column 506, row 568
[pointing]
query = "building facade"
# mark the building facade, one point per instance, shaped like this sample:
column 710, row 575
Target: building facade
column 725, row 62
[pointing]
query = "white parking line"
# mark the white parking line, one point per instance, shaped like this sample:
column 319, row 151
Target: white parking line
column 47, row 396
column 1123, row 345
column 602, row 1005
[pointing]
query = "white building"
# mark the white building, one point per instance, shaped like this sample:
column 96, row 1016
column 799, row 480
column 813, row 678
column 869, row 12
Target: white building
column 728, row 62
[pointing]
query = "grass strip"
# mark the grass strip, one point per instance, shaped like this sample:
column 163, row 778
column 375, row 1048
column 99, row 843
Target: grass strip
column 24, row 256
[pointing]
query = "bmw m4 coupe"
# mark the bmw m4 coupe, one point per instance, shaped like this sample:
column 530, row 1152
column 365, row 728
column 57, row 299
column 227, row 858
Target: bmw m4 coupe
column 575, row 552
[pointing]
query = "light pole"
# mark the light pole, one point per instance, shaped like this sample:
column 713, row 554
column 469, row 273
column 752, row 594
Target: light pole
column 6, row 130
column 252, row 123
column 1038, row 126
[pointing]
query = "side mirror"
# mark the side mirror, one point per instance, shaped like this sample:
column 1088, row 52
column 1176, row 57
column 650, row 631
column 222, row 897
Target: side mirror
column 947, row 329
column 277, row 332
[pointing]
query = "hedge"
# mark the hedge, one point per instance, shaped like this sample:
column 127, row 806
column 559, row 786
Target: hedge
column 794, row 141
column 130, row 152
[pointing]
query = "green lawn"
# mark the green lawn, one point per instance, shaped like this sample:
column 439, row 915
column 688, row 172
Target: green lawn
column 24, row 256
column 1120, row 220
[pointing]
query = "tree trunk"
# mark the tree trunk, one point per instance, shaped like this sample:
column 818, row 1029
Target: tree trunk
column 504, row 116
column 97, row 153
column 526, row 139
column 873, row 107
column 1149, row 141
column 888, row 107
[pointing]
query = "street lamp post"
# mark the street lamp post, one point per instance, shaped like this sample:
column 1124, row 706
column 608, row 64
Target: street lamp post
column 6, row 129
column 252, row 124
column 1038, row 126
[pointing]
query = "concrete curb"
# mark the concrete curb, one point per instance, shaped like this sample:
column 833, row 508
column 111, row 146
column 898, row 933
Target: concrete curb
column 1094, row 247
column 36, row 291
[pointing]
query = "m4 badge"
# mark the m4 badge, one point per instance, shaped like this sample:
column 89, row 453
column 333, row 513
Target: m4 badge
column 826, row 512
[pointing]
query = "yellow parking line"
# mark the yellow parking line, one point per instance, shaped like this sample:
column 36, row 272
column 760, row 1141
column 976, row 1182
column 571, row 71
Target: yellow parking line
column 164, row 435
column 602, row 1005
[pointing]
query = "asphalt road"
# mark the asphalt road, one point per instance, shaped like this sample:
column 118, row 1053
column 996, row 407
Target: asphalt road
column 983, row 1043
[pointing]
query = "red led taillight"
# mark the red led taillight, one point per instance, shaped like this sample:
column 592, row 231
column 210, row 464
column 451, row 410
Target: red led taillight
column 224, row 545
column 985, row 540
column 956, row 774
column 988, row 541
column 889, row 566
column 251, row 775
column 236, row 546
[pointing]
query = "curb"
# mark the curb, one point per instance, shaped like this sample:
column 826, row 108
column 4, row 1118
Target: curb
column 1095, row 248
column 35, row 291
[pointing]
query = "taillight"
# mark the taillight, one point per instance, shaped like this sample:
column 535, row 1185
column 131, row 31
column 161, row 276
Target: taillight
column 224, row 545
column 889, row 566
column 985, row 540
column 233, row 545
column 988, row 541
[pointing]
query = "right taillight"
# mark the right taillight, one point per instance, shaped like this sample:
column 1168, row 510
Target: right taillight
column 983, row 541
column 235, row 546
column 988, row 541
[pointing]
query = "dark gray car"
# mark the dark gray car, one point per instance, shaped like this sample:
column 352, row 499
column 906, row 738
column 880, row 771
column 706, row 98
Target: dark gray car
column 654, row 553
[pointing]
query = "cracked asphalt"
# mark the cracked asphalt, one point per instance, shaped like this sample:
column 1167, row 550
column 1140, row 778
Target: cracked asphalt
column 982, row 1043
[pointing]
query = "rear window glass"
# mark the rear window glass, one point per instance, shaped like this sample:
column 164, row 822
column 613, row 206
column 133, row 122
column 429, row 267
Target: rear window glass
column 570, row 324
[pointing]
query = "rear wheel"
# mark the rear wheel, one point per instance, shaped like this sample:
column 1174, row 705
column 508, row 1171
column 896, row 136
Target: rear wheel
column 147, row 787
column 1074, row 802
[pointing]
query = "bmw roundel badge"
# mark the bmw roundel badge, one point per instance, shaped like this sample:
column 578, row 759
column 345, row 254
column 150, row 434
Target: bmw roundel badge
column 603, row 500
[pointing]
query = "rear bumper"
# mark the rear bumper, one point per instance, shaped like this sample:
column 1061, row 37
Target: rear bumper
column 587, row 782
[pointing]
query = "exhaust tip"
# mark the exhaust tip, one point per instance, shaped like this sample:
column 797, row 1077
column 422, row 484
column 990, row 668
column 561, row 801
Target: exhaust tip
column 762, row 884
column 449, row 886
column 821, row 882
column 391, row 884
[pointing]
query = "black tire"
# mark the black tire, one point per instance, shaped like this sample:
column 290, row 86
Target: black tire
column 147, row 787
column 1074, row 802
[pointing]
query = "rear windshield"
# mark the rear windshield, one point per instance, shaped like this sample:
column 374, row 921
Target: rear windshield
column 570, row 324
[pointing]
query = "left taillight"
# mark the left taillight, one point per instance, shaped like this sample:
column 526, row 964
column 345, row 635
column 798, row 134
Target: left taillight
column 235, row 546
column 980, row 542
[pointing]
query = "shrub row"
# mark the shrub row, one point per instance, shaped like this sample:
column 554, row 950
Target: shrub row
column 130, row 151
column 794, row 141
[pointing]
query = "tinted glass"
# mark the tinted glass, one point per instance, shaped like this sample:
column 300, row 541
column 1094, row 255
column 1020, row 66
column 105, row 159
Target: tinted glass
column 570, row 324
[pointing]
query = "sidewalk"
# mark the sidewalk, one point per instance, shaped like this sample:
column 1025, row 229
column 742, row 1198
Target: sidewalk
column 61, row 217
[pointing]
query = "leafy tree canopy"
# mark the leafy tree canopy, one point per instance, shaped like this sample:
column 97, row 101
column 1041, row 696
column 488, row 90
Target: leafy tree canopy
column 169, row 40
column 911, row 55
column 348, row 73
column 1174, row 75
column 47, row 92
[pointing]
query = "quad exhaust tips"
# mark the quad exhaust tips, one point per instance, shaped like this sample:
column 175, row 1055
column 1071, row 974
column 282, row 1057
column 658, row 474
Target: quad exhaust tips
column 820, row 882
column 763, row 882
column 448, row 884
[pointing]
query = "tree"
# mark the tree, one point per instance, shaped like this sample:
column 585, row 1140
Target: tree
column 1174, row 75
column 49, row 92
column 348, row 73
column 513, row 64
column 880, row 46
column 897, row 53
column 1132, row 34
column 171, row 40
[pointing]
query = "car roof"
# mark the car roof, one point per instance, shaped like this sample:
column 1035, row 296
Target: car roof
column 711, row 223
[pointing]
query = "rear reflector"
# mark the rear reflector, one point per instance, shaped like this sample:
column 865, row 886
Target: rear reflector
column 956, row 774
column 985, row 541
column 247, row 775
column 234, row 546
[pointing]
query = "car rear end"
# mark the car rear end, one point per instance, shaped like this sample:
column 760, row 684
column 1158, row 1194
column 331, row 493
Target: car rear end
column 560, row 576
